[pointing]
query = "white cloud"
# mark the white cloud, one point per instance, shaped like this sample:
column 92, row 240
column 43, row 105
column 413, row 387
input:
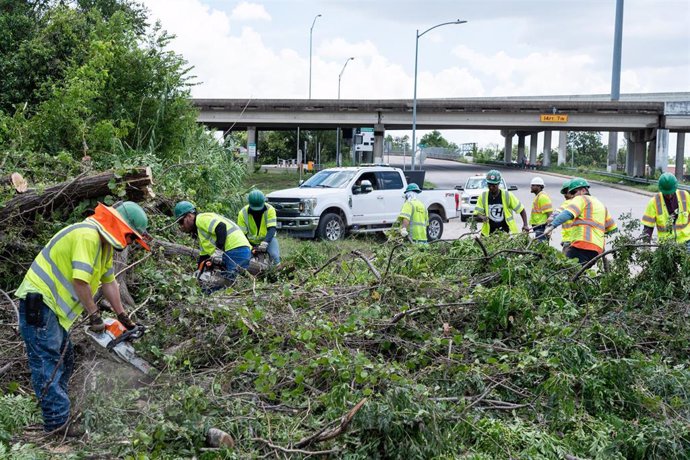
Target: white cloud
column 246, row 11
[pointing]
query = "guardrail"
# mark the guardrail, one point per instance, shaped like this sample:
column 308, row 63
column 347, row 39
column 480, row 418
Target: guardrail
column 624, row 177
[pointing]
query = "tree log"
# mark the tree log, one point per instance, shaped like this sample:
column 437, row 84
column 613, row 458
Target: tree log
column 172, row 249
column 15, row 180
column 137, row 185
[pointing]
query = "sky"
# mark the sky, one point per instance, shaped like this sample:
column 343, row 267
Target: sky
column 260, row 49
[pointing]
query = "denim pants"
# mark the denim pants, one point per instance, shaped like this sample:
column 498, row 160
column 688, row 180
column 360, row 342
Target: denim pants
column 274, row 251
column 539, row 232
column 44, row 345
column 236, row 260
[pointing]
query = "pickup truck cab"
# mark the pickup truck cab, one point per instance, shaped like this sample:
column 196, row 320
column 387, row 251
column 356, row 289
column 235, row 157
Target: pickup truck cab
column 338, row 201
column 474, row 186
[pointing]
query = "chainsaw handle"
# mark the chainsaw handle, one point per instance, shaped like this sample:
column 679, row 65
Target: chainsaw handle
column 131, row 334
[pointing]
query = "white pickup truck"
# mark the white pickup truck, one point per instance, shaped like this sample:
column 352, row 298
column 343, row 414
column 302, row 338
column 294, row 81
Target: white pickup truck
column 338, row 201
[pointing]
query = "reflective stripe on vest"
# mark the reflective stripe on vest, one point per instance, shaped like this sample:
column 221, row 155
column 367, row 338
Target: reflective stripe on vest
column 589, row 224
column 49, row 281
column 257, row 234
column 679, row 230
column 507, row 211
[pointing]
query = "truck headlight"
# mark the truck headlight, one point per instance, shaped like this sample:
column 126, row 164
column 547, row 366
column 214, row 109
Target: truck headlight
column 307, row 206
column 465, row 199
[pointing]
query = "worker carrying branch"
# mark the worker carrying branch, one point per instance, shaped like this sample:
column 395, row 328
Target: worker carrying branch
column 591, row 222
column 541, row 208
column 220, row 239
column 258, row 221
column 413, row 217
column 668, row 212
column 59, row 285
column 496, row 208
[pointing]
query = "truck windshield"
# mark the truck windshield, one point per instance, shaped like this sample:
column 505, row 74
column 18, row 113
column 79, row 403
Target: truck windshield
column 478, row 183
column 329, row 179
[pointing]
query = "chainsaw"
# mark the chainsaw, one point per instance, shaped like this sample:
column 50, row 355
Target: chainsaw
column 116, row 340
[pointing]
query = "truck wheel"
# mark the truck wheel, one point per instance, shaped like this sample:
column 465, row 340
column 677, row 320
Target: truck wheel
column 435, row 229
column 463, row 218
column 331, row 227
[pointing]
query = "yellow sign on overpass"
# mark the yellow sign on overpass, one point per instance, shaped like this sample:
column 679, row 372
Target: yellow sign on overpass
column 551, row 118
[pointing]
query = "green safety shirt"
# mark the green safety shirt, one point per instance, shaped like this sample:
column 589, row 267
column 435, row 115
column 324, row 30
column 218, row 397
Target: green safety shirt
column 248, row 226
column 511, row 206
column 206, row 224
column 75, row 252
column 415, row 211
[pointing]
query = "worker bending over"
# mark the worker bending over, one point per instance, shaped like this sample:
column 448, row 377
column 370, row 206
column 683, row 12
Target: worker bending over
column 668, row 212
column 413, row 217
column 258, row 221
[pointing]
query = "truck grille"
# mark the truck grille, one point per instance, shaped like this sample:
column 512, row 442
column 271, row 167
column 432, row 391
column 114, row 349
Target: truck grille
column 285, row 207
column 473, row 199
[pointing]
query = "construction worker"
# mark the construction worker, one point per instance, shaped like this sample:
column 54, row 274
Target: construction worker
column 59, row 285
column 219, row 237
column 260, row 229
column 541, row 208
column 668, row 212
column 413, row 216
column 566, row 226
column 591, row 222
column 496, row 208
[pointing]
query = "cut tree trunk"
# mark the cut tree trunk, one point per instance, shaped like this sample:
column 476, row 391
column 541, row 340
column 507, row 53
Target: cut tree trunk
column 172, row 249
column 16, row 181
column 136, row 182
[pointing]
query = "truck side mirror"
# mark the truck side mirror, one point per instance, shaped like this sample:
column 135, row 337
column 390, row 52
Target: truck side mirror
column 512, row 188
column 366, row 186
column 459, row 187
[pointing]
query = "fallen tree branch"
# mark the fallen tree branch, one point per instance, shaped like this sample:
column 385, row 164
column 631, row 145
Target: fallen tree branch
column 411, row 311
column 330, row 431
column 369, row 264
column 295, row 451
column 14, row 305
column 481, row 245
column 16, row 181
column 605, row 253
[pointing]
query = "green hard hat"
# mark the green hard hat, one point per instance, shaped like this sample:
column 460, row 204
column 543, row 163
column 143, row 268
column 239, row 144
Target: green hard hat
column 565, row 187
column 576, row 183
column 413, row 188
column 256, row 200
column 493, row 177
column 668, row 184
column 134, row 215
column 183, row 208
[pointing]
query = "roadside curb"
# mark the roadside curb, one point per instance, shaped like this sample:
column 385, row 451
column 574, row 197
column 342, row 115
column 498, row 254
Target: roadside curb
column 606, row 184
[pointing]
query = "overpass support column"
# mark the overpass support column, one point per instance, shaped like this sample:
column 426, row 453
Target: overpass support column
column 508, row 146
column 251, row 147
column 680, row 155
column 547, row 149
column 521, row 148
column 629, row 155
column 533, row 139
column 649, row 167
column 638, row 162
column 661, row 163
column 379, row 131
column 611, row 163
column 562, row 147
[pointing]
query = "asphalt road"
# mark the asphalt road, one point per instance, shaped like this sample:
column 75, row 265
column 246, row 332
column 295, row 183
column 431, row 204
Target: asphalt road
column 448, row 174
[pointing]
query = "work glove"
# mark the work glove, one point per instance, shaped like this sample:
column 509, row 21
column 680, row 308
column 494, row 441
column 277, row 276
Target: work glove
column 547, row 231
column 126, row 321
column 217, row 257
column 263, row 247
column 525, row 229
column 96, row 323
column 403, row 232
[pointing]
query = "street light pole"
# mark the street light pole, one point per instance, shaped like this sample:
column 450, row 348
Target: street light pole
column 338, row 161
column 414, row 100
column 311, row 33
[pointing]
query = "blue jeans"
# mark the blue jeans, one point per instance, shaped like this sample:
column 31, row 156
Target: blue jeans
column 539, row 232
column 44, row 345
column 274, row 251
column 236, row 260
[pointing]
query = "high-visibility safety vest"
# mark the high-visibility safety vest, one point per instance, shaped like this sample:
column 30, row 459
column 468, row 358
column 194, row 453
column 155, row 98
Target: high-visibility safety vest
column 541, row 208
column 591, row 222
column 248, row 225
column 511, row 206
column 75, row 252
column 415, row 211
column 206, row 224
column 567, row 226
column 657, row 215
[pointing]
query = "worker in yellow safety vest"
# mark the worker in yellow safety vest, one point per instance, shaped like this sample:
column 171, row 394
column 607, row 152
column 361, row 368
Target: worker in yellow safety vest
column 58, row 286
column 541, row 208
column 219, row 237
column 591, row 222
column 414, row 217
column 258, row 221
column 496, row 208
column 668, row 212
column 566, row 227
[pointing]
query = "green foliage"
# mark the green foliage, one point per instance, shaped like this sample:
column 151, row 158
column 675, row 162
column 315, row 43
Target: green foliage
column 435, row 139
column 16, row 411
column 587, row 148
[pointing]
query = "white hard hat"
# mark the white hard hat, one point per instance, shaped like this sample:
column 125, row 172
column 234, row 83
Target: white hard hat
column 537, row 181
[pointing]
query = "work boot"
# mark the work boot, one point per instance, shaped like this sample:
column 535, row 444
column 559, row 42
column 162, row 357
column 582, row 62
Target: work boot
column 68, row 430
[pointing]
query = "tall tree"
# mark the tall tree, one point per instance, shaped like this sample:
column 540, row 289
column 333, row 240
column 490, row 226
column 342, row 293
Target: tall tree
column 588, row 149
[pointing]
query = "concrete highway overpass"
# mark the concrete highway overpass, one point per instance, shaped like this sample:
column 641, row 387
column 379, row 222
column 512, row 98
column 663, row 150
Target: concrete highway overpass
column 647, row 119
